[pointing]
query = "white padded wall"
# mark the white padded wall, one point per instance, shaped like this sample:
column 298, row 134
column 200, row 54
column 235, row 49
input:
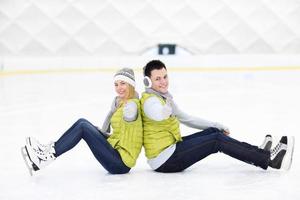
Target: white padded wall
column 60, row 28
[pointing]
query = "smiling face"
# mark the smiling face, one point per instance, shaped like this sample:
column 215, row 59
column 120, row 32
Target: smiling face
column 159, row 79
column 122, row 89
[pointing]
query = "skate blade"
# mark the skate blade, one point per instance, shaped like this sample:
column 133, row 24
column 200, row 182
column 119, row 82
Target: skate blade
column 27, row 160
column 29, row 163
column 287, row 162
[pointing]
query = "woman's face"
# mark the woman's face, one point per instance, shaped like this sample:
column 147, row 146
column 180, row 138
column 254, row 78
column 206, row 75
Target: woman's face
column 159, row 79
column 122, row 89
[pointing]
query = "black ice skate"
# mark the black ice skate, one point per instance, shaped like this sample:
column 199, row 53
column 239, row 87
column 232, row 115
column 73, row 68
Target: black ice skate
column 267, row 144
column 282, row 154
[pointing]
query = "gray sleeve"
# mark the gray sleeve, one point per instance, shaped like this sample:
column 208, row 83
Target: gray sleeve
column 154, row 109
column 196, row 122
column 130, row 111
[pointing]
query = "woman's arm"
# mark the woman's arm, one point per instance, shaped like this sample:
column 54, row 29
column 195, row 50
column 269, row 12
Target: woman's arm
column 130, row 111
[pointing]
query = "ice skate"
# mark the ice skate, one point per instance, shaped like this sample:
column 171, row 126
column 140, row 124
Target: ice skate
column 267, row 143
column 282, row 154
column 37, row 158
column 34, row 143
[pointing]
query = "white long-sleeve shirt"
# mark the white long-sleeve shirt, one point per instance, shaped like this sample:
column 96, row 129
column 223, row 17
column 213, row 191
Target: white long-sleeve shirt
column 158, row 112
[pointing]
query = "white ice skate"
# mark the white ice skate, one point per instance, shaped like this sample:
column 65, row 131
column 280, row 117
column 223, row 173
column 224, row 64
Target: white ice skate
column 34, row 143
column 37, row 156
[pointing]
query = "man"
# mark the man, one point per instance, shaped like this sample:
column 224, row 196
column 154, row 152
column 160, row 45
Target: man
column 167, row 151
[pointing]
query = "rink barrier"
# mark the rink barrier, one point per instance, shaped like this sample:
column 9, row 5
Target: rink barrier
column 170, row 69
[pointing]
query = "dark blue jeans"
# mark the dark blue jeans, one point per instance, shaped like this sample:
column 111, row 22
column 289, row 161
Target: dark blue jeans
column 82, row 129
column 197, row 146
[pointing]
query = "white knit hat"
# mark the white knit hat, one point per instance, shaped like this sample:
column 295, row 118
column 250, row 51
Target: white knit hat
column 125, row 74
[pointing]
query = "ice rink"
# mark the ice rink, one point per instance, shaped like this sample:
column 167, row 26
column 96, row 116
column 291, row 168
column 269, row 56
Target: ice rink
column 251, row 103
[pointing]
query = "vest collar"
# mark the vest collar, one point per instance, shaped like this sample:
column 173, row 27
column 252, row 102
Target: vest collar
column 163, row 95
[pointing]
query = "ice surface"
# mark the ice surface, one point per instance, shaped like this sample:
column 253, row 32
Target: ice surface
column 251, row 104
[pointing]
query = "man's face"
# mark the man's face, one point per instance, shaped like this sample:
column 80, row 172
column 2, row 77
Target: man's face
column 159, row 79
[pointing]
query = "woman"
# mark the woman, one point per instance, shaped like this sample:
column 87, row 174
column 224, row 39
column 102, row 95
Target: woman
column 117, row 152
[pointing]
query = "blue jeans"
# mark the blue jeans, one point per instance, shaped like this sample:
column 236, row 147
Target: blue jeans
column 197, row 146
column 106, row 155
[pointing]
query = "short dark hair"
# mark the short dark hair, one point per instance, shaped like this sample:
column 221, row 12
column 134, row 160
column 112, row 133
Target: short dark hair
column 152, row 65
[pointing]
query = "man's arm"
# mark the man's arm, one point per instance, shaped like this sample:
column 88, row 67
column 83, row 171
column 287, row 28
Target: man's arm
column 154, row 109
column 196, row 122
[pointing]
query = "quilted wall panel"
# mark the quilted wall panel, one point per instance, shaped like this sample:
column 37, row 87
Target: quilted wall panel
column 54, row 28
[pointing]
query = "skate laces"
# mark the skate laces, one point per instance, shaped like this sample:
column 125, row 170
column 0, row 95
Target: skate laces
column 276, row 149
column 46, row 147
column 43, row 146
column 48, row 151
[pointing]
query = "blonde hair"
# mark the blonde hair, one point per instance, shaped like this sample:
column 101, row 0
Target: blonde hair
column 131, row 91
column 130, row 95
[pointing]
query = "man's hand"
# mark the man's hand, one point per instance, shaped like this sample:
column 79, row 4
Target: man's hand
column 222, row 128
column 226, row 132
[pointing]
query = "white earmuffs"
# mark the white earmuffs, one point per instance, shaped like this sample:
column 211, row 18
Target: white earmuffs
column 147, row 80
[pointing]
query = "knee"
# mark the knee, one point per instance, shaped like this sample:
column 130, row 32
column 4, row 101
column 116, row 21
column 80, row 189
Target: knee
column 86, row 126
column 219, row 135
column 84, row 122
column 81, row 120
column 213, row 129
